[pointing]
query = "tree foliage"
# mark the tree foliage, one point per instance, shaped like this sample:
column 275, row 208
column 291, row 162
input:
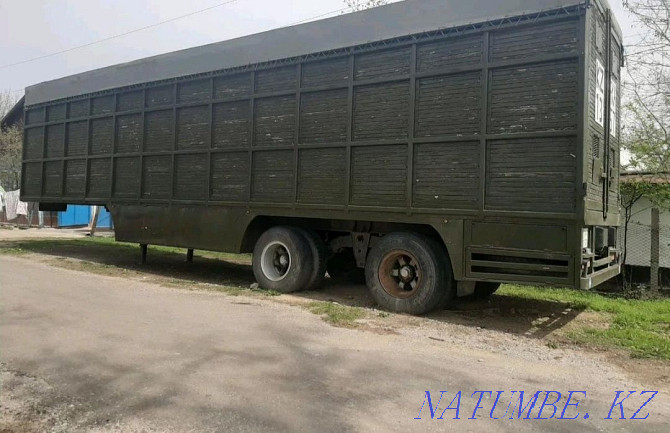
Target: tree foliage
column 7, row 101
column 359, row 5
column 647, row 133
column 10, row 147
column 10, row 158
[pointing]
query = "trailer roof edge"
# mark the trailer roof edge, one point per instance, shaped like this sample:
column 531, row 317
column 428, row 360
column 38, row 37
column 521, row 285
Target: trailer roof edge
column 383, row 23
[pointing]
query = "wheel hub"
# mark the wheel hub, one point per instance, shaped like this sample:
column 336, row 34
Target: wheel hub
column 275, row 261
column 407, row 273
column 400, row 274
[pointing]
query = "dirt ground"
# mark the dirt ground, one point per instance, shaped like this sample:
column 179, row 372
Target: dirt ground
column 510, row 337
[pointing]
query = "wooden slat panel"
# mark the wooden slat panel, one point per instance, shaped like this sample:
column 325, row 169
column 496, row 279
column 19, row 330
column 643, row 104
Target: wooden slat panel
column 450, row 53
column 449, row 105
column 321, row 176
column 51, row 185
column 277, row 80
column 127, row 101
column 326, row 72
column 274, row 121
column 379, row 175
column 158, row 131
column 230, row 176
column 380, row 64
column 536, row 174
column 99, row 178
column 78, row 109
column 32, row 179
column 126, row 177
column 324, row 116
column 77, row 138
column 446, row 175
column 158, row 96
column 381, row 111
column 35, row 115
column 232, row 86
column 75, row 178
column 128, row 133
column 156, row 177
column 190, row 177
column 102, row 105
column 524, row 42
column 56, row 112
column 194, row 91
column 34, row 143
column 273, row 174
column 534, row 98
column 231, row 124
column 55, row 142
column 102, row 136
column 192, row 127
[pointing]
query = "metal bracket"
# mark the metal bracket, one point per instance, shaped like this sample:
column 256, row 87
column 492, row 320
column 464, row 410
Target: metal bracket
column 465, row 288
column 361, row 243
column 339, row 243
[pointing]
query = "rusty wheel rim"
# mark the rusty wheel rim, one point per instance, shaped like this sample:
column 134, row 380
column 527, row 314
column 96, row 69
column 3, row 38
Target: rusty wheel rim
column 400, row 274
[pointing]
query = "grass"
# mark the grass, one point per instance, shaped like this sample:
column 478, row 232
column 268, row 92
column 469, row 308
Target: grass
column 640, row 327
column 41, row 245
column 337, row 314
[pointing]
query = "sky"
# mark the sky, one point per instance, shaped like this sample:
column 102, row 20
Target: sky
column 33, row 28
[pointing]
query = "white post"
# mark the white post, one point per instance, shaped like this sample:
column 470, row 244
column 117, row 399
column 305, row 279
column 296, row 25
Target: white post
column 655, row 248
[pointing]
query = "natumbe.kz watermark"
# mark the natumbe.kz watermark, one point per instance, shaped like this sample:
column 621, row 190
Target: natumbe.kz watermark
column 540, row 405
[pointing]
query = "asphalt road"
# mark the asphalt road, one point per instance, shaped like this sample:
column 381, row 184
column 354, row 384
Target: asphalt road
column 124, row 356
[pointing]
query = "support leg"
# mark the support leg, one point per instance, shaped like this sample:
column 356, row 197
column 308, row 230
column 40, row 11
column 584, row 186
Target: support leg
column 189, row 255
column 94, row 220
column 144, row 254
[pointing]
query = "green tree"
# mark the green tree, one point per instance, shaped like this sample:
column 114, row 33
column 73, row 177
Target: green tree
column 359, row 5
column 647, row 119
column 10, row 147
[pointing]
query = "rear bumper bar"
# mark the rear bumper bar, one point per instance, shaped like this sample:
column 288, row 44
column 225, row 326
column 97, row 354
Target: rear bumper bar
column 601, row 276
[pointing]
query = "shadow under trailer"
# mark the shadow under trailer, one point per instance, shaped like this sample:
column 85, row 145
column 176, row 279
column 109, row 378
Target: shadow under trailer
column 443, row 147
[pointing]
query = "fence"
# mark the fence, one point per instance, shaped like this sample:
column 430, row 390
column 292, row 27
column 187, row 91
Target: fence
column 638, row 248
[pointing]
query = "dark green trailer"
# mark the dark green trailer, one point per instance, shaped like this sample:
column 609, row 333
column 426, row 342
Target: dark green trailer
column 443, row 146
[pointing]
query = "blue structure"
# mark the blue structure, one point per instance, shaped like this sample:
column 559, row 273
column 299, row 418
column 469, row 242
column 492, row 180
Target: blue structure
column 79, row 215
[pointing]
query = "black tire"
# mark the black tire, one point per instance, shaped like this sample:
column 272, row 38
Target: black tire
column 319, row 258
column 484, row 289
column 342, row 268
column 409, row 273
column 282, row 260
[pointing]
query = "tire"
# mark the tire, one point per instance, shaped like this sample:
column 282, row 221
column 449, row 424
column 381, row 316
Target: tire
column 319, row 258
column 409, row 273
column 342, row 268
column 282, row 260
column 484, row 289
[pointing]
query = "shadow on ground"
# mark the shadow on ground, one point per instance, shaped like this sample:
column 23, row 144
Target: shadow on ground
column 509, row 314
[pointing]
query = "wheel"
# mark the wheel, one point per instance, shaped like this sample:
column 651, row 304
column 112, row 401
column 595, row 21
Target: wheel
column 484, row 289
column 342, row 268
column 319, row 258
column 409, row 273
column 282, row 260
